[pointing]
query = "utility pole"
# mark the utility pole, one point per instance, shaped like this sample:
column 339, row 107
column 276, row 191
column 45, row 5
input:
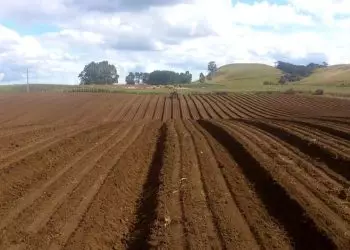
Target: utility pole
column 27, row 81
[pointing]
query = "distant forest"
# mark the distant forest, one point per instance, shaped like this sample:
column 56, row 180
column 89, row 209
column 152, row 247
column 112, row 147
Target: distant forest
column 105, row 73
column 293, row 73
column 159, row 77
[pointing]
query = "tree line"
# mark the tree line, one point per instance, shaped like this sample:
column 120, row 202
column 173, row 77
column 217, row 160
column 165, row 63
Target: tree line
column 105, row 73
column 294, row 72
column 212, row 69
column 99, row 73
column 159, row 77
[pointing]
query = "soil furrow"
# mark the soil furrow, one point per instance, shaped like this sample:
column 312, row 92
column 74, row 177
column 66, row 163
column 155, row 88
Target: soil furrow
column 41, row 145
column 301, row 228
column 176, row 108
column 146, row 216
column 117, row 198
column 151, row 108
column 141, row 112
column 230, row 223
column 328, row 142
column 158, row 112
column 185, row 113
column 125, row 107
column 167, row 114
column 37, row 192
column 208, row 107
column 105, row 166
column 167, row 231
column 199, row 107
column 221, row 109
column 325, row 188
column 323, row 127
column 235, row 113
column 56, row 198
column 313, row 150
column 238, row 106
column 138, row 111
column 199, row 226
column 268, row 234
column 192, row 108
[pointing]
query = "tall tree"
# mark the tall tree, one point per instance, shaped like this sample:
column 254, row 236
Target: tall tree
column 145, row 78
column 212, row 68
column 99, row 73
column 188, row 76
column 130, row 79
column 169, row 77
column 141, row 77
column 137, row 77
column 201, row 78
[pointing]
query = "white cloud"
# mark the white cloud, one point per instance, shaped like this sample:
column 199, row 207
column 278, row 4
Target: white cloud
column 182, row 36
column 2, row 75
column 267, row 14
column 325, row 10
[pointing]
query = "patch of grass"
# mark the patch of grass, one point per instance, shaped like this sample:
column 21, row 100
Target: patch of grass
column 334, row 80
column 22, row 88
column 318, row 92
column 332, row 75
column 259, row 78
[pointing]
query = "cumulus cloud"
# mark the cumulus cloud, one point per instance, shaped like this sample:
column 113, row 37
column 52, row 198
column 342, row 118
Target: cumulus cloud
column 35, row 10
column 122, row 5
column 324, row 10
column 268, row 14
column 178, row 34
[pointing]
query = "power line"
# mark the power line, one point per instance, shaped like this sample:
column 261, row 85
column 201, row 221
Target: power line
column 27, row 80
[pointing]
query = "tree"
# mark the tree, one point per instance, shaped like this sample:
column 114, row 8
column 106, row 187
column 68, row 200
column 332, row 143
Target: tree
column 201, row 78
column 141, row 77
column 325, row 64
column 212, row 68
column 145, row 78
column 188, row 77
column 297, row 70
column 165, row 77
column 137, row 77
column 99, row 73
column 294, row 73
column 130, row 79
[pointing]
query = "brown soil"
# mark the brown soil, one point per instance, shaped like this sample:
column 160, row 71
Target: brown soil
column 117, row 171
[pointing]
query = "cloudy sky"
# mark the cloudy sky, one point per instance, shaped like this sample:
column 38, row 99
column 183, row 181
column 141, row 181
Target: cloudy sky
column 56, row 38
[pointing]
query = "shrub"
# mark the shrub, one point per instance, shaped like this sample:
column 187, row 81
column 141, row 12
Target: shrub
column 269, row 83
column 221, row 93
column 319, row 92
column 290, row 91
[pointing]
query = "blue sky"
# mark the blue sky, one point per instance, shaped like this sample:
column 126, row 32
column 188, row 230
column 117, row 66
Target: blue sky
column 31, row 28
column 56, row 38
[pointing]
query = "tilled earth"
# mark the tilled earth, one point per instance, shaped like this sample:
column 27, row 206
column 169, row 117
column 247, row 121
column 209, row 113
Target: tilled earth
column 113, row 171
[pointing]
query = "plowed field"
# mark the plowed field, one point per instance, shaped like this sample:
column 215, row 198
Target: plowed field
column 112, row 171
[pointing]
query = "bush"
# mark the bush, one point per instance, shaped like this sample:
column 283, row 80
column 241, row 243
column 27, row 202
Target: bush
column 221, row 93
column 290, row 92
column 269, row 83
column 319, row 92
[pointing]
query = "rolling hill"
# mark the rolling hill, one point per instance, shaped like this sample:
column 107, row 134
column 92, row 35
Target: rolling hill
column 251, row 73
column 246, row 73
column 249, row 77
column 333, row 75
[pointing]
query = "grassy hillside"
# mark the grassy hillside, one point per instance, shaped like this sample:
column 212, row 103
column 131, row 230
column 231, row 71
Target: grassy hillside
column 246, row 73
column 334, row 75
column 19, row 88
column 250, row 77
column 246, row 77
column 243, row 77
